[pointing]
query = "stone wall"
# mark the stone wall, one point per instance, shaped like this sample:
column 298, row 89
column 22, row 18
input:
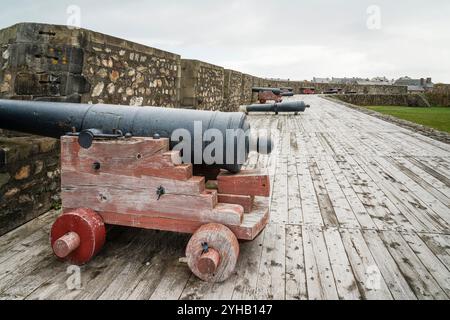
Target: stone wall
column 202, row 85
column 440, row 95
column 29, row 179
column 122, row 72
column 246, row 89
column 39, row 63
column 232, row 91
column 48, row 62
column 409, row 100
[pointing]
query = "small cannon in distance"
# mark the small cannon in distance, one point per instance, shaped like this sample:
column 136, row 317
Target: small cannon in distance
column 271, row 94
column 54, row 120
column 292, row 106
column 333, row 91
column 308, row 90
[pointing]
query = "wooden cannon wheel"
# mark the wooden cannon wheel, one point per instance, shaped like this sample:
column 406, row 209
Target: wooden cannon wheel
column 77, row 236
column 212, row 252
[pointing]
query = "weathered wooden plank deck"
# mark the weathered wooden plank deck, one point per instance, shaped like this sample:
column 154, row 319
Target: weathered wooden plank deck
column 360, row 209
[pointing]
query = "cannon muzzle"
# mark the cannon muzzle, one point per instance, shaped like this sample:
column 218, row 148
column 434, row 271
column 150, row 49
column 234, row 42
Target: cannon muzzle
column 54, row 120
column 292, row 106
column 275, row 91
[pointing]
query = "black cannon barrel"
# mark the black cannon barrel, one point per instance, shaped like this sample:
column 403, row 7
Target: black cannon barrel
column 292, row 106
column 276, row 91
column 287, row 94
column 54, row 120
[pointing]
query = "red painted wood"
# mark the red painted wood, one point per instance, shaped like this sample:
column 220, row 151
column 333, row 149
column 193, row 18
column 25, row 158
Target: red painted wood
column 265, row 96
column 249, row 229
column 200, row 208
column 129, row 157
column 209, row 261
column 66, row 244
column 90, row 228
column 247, row 182
column 73, row 179
column 218, row 238
column 245, row 201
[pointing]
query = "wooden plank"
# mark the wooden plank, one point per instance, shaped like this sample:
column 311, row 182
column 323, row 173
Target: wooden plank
column 158, row 260
column 357, row 206
column 344, row 213
column 388, row 267
column 252, row 224
column 296, row 288
column 134, row 157
column 247, row 183
column 172, row 282
column 432, row 263
column 48, row 272
column 434, row 166
column 418, row 277
column 310, row 206
column 345, row 280
column 279, row 200
column 420, row 217
column 295, row 214
column 371, row 284
column 382, row 211
column 245, row 201
column 327, row 210
column 271, row 274
column 428, row 199
column 440, row 245
column 145, row 203
column 12, row 238
column 32, row 280
column 434, row 185
column 142, row 253
column 245, row 282
column 22, row 264
column 55, row 287
column 74, row 179
column 319, row 276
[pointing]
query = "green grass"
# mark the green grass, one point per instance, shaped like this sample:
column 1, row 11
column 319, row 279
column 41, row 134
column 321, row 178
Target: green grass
column 435, row 117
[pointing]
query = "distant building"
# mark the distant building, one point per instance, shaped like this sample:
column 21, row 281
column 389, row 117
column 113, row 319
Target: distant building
column 346, row 80
column 277, row 79
column 321, row 80
column 415, row 85
column 376, row 81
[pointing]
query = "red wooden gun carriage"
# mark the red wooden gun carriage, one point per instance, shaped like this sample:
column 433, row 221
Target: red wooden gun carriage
column 137, row 182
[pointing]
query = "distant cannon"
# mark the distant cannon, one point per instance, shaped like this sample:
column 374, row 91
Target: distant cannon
column 293, row 106
column 287, row 89
column 271, row 94
column 308, row 90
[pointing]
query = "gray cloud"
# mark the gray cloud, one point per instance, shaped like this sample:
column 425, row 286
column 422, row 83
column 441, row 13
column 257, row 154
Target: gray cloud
column 287, row 39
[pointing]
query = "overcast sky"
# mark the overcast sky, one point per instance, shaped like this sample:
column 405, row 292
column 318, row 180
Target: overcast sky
column 283, row 39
